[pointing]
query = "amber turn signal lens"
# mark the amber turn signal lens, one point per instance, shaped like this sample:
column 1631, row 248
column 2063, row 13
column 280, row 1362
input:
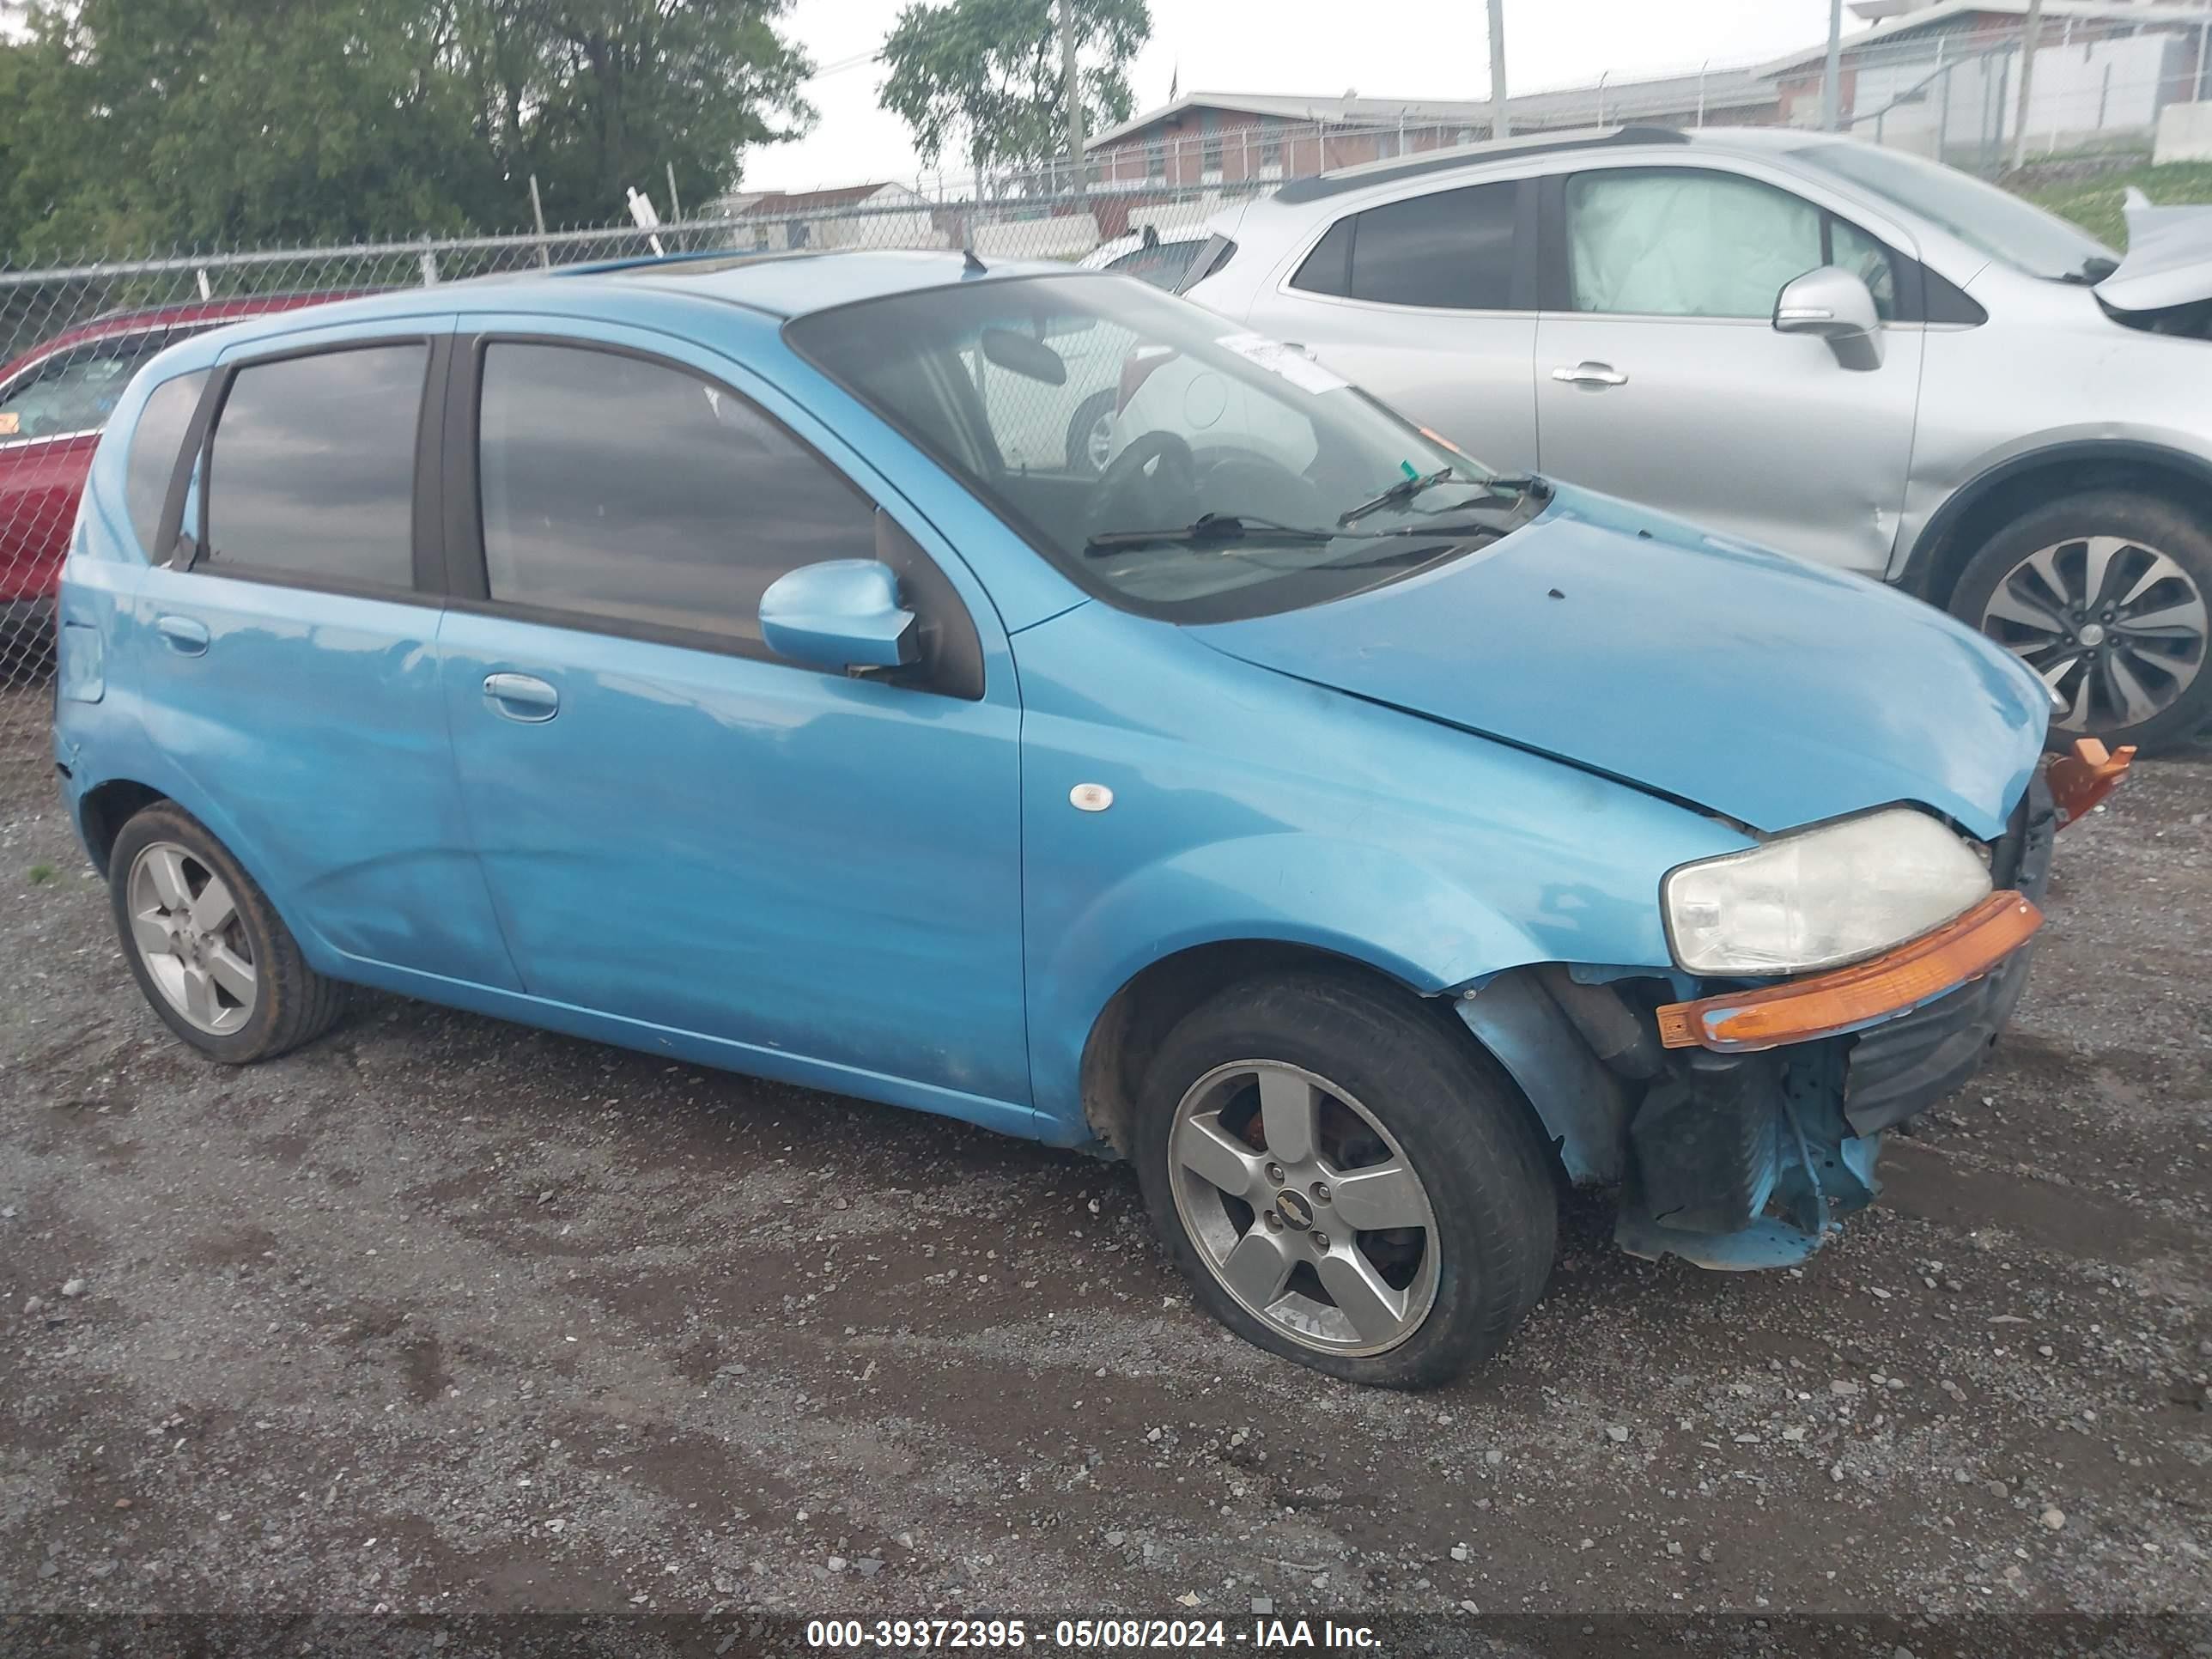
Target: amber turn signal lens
column 1827, row 1004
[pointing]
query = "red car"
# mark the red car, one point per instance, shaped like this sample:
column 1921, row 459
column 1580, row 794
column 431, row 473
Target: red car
column 54, row 400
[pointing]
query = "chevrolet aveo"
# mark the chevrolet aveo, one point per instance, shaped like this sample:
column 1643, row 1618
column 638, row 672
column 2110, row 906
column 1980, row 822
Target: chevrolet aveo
column 668, row 654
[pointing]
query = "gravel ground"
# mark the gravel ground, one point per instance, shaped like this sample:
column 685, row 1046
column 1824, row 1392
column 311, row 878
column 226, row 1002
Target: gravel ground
column 447, row 1316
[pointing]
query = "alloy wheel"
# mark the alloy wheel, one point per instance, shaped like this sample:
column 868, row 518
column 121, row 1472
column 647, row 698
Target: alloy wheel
column 185, row 928
column 1098, row 442
column 2114, row 627
column 1304, row 1207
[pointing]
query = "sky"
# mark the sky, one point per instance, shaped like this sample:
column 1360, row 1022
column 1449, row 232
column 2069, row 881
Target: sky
column 1321, row 48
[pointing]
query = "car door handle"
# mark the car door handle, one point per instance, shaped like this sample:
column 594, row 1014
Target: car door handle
column 521, row 698
column 1596, row 374
column 185, row 636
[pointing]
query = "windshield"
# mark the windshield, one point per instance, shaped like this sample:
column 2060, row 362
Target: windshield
column 1988, row 220
column 1167, row 460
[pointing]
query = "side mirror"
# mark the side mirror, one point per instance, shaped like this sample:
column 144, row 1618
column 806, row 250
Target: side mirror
column 1838, row 307
column 841, row 614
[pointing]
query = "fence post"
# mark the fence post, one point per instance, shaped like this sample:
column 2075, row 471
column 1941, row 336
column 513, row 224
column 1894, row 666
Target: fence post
column 429, row 268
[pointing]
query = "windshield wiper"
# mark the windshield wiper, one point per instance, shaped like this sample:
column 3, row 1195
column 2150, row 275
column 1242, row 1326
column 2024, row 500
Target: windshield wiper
column 1413, row 483
column 1215, row 528
column 1209, row 529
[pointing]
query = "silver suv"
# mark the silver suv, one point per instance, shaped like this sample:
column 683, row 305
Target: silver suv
column 1843, row 351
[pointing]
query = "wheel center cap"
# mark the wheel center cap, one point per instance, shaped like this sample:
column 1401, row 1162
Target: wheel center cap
column 1296, row 1213
column 2092, row 633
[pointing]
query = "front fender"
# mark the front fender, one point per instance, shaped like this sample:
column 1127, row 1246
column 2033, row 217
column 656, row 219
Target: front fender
column 1352, row 899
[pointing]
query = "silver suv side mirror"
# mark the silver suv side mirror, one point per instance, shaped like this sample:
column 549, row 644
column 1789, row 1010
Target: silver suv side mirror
column 1836, row 305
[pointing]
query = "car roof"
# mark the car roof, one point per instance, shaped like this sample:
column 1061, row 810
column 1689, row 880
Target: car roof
column 180, row 314
column 1749, row 141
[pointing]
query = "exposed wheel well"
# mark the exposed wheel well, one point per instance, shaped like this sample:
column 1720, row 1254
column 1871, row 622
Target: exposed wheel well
column 104, row 809
column 1960, row 531
column 1129, row 1031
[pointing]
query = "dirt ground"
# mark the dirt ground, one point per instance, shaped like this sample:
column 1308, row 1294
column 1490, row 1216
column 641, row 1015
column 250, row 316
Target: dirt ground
column 443, row 1316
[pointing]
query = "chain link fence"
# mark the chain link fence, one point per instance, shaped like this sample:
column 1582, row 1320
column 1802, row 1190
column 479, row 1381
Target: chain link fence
column 71, row 336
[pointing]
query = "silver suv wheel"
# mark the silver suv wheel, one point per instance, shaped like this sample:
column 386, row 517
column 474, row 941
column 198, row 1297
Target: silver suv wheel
column 2114, row 626
column 1304, row 1207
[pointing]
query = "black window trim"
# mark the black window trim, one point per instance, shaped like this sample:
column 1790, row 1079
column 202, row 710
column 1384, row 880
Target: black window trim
column 1556, row 285
column 185, row 552
column 1522, row 282
column 466, row 575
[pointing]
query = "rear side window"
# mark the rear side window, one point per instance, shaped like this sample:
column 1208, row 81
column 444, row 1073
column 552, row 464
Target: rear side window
column 640, row 493
column 1163, row 264
column 1328, row 269
column 1450, row 249
column 153, row 459
column 312, row 469
column 1213, row 256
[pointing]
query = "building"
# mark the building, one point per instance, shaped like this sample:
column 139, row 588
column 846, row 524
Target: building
column 852, row 216
column 1943, row 76
column 1935, row 75
column 1207, row 138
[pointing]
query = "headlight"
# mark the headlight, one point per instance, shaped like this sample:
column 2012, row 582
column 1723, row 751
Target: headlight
column 1820, row 897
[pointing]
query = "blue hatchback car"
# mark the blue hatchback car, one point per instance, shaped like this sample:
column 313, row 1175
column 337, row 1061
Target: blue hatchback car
column 671, row 655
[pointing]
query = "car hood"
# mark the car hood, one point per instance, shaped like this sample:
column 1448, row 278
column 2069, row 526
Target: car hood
column 1770, row 691
column 2169, row 259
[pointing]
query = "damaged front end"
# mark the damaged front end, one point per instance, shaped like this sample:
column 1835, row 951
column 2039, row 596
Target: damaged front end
column 1734, row 1147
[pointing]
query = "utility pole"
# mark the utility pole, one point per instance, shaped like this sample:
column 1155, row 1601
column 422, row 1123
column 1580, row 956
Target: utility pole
column 1832, row 80
column 2027, row 82
column 1500, row 124
column 1071, row 88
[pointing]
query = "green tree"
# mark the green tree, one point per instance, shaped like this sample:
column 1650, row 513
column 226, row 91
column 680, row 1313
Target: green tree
column 982, row 78
column 138, row 123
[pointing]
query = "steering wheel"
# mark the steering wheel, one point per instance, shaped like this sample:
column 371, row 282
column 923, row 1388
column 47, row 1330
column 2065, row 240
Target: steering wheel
column 1126, row 497
column 1243, row 480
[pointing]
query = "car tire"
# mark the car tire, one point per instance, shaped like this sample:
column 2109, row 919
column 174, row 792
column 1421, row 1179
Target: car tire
column 232, row 981
column 1083, row 457
column 1384, row 1090
column 2054, row 587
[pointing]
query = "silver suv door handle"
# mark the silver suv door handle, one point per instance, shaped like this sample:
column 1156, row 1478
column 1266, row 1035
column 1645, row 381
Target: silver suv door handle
column 1589, row 374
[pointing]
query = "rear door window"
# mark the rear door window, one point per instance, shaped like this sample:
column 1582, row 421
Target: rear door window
column 1447, row 250
column 635, row 492
column 311, row 472
column 152, row 464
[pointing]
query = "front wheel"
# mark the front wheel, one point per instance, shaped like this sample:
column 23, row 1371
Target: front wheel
column 1344, row 1182
column 2103, row 595
column 1091, row 435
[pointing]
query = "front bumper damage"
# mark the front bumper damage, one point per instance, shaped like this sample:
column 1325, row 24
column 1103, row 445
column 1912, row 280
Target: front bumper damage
column 1739, row 1155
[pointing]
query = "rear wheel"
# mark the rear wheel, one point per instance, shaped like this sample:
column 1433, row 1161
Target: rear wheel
column 207, row 950
column 2103, row 594
column 1345, row 1183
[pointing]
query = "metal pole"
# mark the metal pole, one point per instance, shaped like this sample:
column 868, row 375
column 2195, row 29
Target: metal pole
column 1702, row 68
column 1601, row 96
column 1072, row 90
column 2204, row 39
column 1831, row 78
column 2027, row 82
column 1500, row 124
column 675, row 207
column 537, row 212
column 1943, row 104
